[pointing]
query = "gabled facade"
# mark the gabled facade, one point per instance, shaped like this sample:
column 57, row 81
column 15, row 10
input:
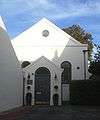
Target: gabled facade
column 46, row 81
column 42, row 38
column 65, row 59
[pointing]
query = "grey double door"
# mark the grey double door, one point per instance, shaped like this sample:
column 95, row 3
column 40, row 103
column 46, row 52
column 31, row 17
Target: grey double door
column 42, row 86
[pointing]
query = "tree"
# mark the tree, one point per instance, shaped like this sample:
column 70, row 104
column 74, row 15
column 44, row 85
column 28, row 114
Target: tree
column 94, row 67
column 82, row 36
column 97, row 54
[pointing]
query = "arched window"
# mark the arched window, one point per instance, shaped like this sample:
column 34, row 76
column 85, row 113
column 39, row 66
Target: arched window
column 42, row 71
column 25, row 64
column 66, row 74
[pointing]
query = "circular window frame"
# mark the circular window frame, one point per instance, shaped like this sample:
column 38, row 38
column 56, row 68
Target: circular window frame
column 45, row 33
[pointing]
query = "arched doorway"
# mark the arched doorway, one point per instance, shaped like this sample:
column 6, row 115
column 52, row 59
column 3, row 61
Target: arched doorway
column 42, row 86
column 65, row 80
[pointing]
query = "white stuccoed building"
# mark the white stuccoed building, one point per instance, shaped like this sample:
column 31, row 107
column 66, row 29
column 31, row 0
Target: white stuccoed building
column 56, row 59
column 11, row 82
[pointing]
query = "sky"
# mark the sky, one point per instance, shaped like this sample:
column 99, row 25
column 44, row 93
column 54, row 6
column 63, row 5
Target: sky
column 19, row 15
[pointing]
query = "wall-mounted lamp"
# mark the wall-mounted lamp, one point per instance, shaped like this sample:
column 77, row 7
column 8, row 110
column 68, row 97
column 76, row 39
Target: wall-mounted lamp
column 28, row 76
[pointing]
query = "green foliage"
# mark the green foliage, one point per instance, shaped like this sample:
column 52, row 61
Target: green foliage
column 97, row 54
column 24, row 64
column 82, row 36
column 85, row 92
column 94, row 68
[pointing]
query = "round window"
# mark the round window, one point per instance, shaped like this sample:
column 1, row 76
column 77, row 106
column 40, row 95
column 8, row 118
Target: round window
column 45, row 33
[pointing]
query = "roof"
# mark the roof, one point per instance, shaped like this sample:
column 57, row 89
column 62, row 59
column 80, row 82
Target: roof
column 36, row 62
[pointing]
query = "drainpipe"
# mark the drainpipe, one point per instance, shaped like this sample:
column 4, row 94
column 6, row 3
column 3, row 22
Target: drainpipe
column 84, row 55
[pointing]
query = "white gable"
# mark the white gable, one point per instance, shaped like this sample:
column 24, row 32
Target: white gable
column 42, row 60
column 31, row 44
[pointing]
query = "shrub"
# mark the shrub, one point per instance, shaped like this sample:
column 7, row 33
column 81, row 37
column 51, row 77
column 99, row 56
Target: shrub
column 85, row 92
column 94, row 68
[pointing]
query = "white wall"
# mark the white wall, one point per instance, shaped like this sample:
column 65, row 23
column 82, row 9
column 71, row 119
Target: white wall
column 10, row 75
column 31, row 44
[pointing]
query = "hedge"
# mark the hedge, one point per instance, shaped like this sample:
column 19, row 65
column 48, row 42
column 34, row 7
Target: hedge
column 85, row 92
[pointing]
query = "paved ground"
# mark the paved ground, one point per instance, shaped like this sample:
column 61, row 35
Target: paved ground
column 53, row 113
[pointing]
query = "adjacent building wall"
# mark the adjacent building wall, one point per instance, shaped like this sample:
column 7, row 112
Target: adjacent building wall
column 10, row 75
